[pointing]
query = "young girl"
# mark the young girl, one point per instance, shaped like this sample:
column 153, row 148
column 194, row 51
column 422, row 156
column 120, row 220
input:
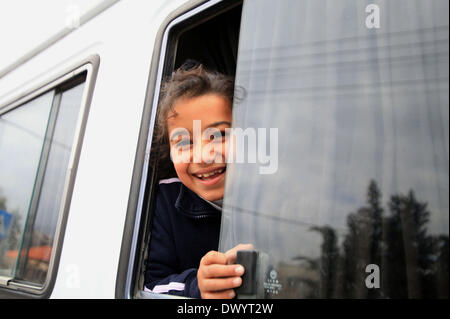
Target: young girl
column 183, row 257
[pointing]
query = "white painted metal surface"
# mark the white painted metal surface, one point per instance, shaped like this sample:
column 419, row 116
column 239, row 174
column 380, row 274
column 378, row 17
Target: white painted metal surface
column 123, row 36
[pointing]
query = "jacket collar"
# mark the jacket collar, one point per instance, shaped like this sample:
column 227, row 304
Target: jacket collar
column 192, row 205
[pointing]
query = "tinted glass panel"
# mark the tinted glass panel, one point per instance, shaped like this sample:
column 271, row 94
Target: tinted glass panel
column 357, row 205
column 38, row 247
column 22, row 133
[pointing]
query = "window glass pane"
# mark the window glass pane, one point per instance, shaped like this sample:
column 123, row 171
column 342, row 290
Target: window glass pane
column 363, row 144
column 36, row 251
column 22, row 133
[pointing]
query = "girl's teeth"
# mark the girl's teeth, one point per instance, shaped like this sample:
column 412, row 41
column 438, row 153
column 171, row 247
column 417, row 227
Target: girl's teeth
column 218, row 171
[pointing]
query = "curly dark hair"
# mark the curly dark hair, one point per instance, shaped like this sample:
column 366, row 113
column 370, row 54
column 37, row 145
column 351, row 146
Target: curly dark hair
column 187, row 81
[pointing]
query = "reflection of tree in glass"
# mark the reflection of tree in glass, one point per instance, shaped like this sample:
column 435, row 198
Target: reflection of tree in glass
column 2, row 203
column 328, row 261
column 361, row 246
column 414, row 259
column 413, row 264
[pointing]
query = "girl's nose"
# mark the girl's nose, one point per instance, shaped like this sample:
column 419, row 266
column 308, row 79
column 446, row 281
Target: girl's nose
column 208, row 153
column 205, row 152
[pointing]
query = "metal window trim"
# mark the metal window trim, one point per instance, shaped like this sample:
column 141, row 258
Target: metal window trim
column 30, row 217
column 90, row 65
column 42, row 88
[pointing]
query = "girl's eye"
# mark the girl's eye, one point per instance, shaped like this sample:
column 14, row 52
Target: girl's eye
column 182, row 143
column 219, row 136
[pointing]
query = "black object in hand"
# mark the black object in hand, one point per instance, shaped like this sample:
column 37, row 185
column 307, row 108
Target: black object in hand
column 248, row 259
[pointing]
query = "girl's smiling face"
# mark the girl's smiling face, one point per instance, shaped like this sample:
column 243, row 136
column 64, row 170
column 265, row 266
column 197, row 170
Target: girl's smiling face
column 204, row 174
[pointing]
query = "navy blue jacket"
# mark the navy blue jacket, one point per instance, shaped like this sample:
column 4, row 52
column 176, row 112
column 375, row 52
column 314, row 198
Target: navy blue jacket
column 185, row 227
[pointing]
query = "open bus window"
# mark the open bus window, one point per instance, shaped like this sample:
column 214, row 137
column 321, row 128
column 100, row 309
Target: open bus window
column 358, row 207
column 209, row 37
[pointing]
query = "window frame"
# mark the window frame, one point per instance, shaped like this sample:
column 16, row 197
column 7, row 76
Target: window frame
column 142, row 185
column 63, row 80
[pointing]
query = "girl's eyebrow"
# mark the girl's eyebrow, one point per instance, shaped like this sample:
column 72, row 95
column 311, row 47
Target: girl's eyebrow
column 219, row 123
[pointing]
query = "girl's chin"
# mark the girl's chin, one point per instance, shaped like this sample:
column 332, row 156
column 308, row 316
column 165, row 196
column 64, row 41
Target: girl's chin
column 210, row 195
column 212, row 198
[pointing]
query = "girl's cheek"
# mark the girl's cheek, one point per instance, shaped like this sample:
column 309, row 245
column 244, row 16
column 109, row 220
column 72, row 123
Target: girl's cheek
column 182, row 170
column 180, row 155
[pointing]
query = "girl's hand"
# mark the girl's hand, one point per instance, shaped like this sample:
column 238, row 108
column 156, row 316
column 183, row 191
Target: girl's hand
column 217, row 274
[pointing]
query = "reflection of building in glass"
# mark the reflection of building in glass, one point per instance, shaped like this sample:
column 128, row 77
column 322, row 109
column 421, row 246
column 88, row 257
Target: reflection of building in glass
column 300, row 279
column 38, row 259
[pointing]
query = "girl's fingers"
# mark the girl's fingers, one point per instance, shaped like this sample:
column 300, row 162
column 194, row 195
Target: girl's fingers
column 216, row 279
column 213, row 257
column 219, row 284
column 225, row 294
column 218, row 271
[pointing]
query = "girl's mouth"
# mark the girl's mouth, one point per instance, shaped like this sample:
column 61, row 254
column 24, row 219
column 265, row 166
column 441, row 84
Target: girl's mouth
column 211, row 177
